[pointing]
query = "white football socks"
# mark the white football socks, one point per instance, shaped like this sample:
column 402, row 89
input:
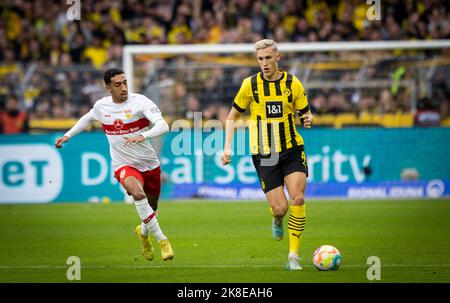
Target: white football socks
column 144, row 230
column 149, row 221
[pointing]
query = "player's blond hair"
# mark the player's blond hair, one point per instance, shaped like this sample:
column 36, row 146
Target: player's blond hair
column 265, row 43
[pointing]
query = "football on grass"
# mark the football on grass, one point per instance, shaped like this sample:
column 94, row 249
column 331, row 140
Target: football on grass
column 327, row 257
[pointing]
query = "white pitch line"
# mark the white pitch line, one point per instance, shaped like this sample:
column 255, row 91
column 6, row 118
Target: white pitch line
column 204, row 266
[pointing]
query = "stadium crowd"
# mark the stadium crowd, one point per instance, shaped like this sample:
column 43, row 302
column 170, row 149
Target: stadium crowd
column 54, row 65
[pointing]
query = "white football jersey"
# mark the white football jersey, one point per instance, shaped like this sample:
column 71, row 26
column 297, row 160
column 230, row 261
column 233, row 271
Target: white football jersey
column 125, row 120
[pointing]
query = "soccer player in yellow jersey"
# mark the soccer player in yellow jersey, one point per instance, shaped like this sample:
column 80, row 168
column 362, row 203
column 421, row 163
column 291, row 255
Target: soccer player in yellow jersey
column 275, row 98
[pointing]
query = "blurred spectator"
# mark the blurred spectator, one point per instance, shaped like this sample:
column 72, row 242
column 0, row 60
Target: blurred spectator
column 404, row 100
column 192, row 106
column 337, row 103
column 222, row 114
column 301, row 30
column 13, row 120
column 213, row 89
column 258, row 18
column 96, row 53
column 55, row 51
column 94, row 90
column 179, row 32
column 211, row 111
column 77, row 45
column 318, row 105
column 367, row 104
column 41, row 111
column 386, row 104
column 441, row 86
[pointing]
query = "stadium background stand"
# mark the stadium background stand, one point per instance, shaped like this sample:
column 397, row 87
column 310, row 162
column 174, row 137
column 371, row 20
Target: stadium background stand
column 55, row 65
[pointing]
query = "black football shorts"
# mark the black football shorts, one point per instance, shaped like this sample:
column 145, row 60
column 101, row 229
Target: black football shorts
column 271, row 175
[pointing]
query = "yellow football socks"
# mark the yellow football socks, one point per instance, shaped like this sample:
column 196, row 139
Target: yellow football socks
column 296, row 225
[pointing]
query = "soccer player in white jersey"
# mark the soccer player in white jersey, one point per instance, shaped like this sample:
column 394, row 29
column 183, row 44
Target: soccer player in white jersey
column 126, row 120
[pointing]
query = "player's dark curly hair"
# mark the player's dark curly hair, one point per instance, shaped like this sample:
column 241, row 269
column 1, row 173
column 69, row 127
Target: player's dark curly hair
column 110, row 73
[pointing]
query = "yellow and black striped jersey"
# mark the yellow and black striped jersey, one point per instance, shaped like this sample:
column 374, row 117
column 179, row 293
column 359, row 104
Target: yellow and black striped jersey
column 273, row 105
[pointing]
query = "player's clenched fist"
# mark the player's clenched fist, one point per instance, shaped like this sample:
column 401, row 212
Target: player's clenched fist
column 307, row 120
column 226, row 157
column 60, row 141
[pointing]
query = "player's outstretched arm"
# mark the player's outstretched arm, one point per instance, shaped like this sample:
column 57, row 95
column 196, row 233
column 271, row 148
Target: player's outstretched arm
column 81, row 125
column 229, row 133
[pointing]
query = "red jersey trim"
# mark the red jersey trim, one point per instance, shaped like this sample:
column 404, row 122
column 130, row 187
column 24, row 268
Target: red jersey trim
column 125, row 128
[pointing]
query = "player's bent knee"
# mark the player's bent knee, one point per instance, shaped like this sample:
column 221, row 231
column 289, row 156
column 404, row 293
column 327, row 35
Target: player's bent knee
column 279, row 211
column 298, row 200
column 139, row 195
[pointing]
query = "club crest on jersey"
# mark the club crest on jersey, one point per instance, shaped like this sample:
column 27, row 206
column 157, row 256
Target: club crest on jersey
column 287, row 92
column 118, row 124
column 128, row 114
column 122, row 174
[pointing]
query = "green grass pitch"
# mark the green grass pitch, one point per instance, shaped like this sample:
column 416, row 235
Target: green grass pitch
column 225, row 242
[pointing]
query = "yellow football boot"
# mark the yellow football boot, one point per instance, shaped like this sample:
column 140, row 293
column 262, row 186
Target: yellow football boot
column 166, row 250
column 146, row 244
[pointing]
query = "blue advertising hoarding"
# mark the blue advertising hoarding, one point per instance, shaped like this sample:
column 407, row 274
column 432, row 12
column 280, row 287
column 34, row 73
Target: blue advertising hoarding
column 347, row 163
